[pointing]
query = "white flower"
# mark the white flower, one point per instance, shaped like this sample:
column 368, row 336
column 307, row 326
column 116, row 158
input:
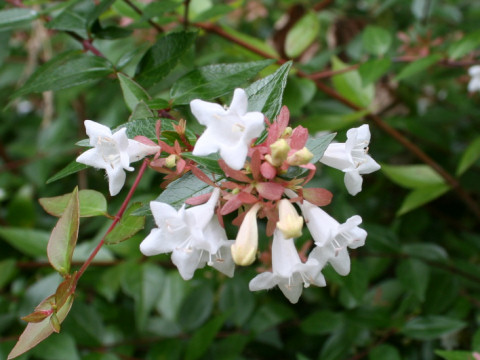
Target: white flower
column 352, row 158
column 245, row 247
column 194, row 236
column 229, row 131
column 333, row 238
column 474, row 84
column 288, row 271
column 113, row 152
column 290, row 223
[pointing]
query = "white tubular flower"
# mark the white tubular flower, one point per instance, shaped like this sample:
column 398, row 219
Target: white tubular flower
column 229, row 131
column 245, row 247
column 288, row 271
column 290, row 223
column 113, row 152
column 474, row 84
column 194, row 236
column 352, row 158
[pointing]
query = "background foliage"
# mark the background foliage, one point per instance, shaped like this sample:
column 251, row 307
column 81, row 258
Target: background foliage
column 413, row 292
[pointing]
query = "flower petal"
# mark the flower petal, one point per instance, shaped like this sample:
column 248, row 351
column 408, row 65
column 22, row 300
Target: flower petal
column 353, row 182
column 116, row 179
column 93, row 158
column 263, row 281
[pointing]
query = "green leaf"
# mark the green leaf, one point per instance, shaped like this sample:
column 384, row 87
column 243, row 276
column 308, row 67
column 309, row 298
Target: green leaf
column 157, row 104
column 69, row 20
column 302, row 34
column 213, row 81
column 466, row 44
column 383, row 352
column 318, row 145
column 174, row 291
column 29, row 242
column 12, row 18
column 214, row 12
column 97, row 10
column 159, row 8
column 418, row 66
column 421, row 196
column 332, row 122
column 141, row 112
column 92, row 203
column 210, row 162
column 35, row 333
column 162, row 57
column 266, row 95
column 253, row 41
column 455, row 354
column 321, row 322
column 349, row 85
column 371, row 70
column 133, row 93
column 64, row 71
column 64, row 236
column 431, row 327
column 412, row 176
column 59, row 347
column 414, row 275
column 298, row 93
column 196, row 308
column 376, row 40
column 426, row 251
column 8, row 268
column 234, row 301
column 203, row 338
column 70, row 169
column 469, row 157
column 128, row 226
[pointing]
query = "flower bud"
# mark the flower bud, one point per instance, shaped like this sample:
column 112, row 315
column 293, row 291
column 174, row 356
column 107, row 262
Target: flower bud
column 290, row 223
column 245, row 247
column 300, row 157
column 279, row 152
column 171, row 161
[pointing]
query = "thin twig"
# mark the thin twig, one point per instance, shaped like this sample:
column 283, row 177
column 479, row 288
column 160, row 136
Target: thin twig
column 140, row 12
column 185, row 14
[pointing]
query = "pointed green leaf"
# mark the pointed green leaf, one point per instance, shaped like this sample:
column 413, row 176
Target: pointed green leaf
column 370, row 71
column 349, row 85
column 12, row 18
column 469, row 157
column 418, row 66
column 70, row 169
column 463, row 46
column 414, row 275
column 210, row 162
column 376, row 40
column 35, row 333
column 132, row 92
column 318, row 145
column 64, row 71
column 30, row 242
column 8, row 269
column 141, row 112
column 213, row 81
column 421, row 196
column 203, row 338
column 70, row 20
column 163, row 56
column 412, row 176
column 92, row 203
column 128, row 226
column 64, row 236
column 302, row 34
column 266, row 95
column 196, row 308
column 431, row 327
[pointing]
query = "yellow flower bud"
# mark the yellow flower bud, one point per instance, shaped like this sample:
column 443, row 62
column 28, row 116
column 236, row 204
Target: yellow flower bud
column 290, row 223
column 279, row 150
column 300, row 157
column 245, row 247
column 171, row 161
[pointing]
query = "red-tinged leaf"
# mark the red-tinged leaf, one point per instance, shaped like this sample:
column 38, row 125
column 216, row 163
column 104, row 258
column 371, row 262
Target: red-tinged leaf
column 181, row 166
column 255, row 164
column 299, row 138
column 198, row 200
column 144, row 140
column 272, row 219
column 37, row 316
column 317, row 196
column 230, row 185
column 246, row 198
column 165, row 147
column 270, row 190
column 231, row 205
column 64, row 236
column 65, row 290
column 283, row 119
column 268, row 170
column 234, row 174
column 35, row 333
column 201, row 175
column 239, row 219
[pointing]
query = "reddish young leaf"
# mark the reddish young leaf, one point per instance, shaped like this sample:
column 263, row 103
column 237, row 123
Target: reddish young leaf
column 255, row 164
column 144, row 140
column 198, row 200
column 268, row 170
column 317, row 196
column 234, row 174
column 270, row 190
column 299, row 138
column 246, row 198
column 231, row 205
column 201, row 175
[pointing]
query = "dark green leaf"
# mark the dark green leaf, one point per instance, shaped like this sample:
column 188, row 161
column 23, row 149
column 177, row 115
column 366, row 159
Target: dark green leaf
column 469, row 157
column 158, row 8
column 384, row 352
column 455, row 354
column 92, row 203
column 162, row 57
column 431, row 327
column 418, row 66
column 234, row 301
column 414, row 275
column 464, row 45
column 133, row 93
column 321, row 322
column 213, row 81
column 30, row 242
column 210, row 162
column 157, row 104
column 370, row 71
column 421, row 196
column 174, row 291
column 266, row 95
column 70, row 20
column 71, row 168
column 7, row 271
column 141, row 112
column 128, row 226
column 376, row 40
column 64, row 71
column 12, row 18
column 302, row 34
column 196, row 308
column 412, row 176
column 426, row 251
column 98, row 10
column 203, row 338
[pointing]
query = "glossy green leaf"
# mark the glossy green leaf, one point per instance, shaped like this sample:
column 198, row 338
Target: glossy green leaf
column 418, row 66
column 372, row 70
column 318, row 145
column 203, row 338
column 302, row 34
column 133, row 93
column 421, row 196
column 266, row 95
column 412, row 176
column 29, row 242
column 12, row 18
column 349, row 85
column 64, row 71
column 213, row 81
column 92, row 203
column 414, row 275
column 463, row 46
column 128, row 226
column 64, row 236
column 34, row 333
column 70, row 20
column 210, row 162
column 163, row 56
column 70, row 169
column 376, row 40
column 469, row 157
column 431, row 327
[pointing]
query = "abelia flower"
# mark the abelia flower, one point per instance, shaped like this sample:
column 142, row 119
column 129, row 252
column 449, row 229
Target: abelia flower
column 290, row 223
column 245, row 247
column 113, row 152
column 352, row 158
column 474, row 84
column 288, row 271
column 193, row 236
column 229, row 131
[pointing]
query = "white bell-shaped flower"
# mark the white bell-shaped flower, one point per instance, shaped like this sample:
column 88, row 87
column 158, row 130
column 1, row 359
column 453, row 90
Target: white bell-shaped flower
column 474, row 84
